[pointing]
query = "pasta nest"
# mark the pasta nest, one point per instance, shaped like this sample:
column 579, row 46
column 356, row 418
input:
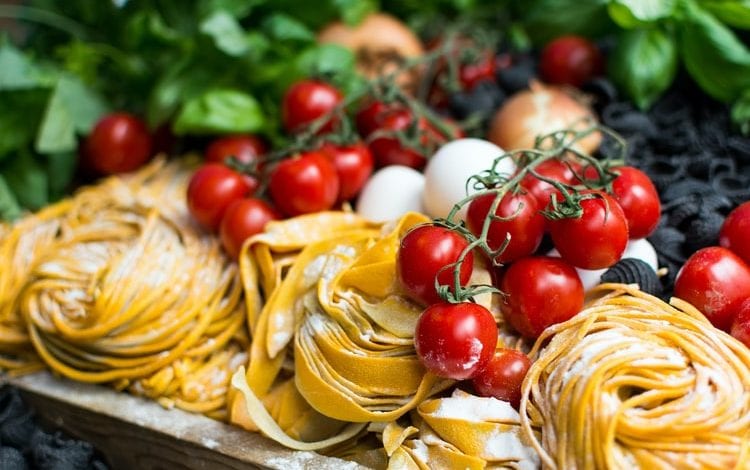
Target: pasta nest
column 634, row 382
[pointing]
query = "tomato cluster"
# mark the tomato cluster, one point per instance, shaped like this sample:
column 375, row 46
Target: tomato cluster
column 716, row 279
column 118, row 143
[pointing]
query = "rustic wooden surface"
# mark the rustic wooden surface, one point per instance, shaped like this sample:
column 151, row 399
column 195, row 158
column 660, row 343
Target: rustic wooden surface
column 135, row 433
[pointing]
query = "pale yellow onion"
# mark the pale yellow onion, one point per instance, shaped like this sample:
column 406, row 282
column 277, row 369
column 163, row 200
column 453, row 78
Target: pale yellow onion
column 538, row 111
column 380, row 42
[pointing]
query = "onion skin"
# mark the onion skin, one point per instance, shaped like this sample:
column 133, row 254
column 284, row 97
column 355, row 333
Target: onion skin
column 380, row 43
column 538, row 111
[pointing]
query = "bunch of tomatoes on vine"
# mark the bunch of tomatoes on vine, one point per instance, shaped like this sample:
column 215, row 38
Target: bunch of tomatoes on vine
column 589, row 207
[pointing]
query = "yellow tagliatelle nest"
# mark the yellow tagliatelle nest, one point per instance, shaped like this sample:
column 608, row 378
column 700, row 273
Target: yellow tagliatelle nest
column 117, row 285
column 333, row 355
column 633, row 382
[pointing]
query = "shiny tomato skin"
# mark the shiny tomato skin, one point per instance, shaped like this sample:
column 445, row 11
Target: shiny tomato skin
column 716, row 282
column 595, row 240
column 304, row 184
column 553, row 169
column 369, row 117
column 525, row 224
column 306, row 101
column 455, row 341
column 470, row 74
column 354, row 165
column 212, row 188
column 735, row 231
column 540, row 291
column 741, row 325
column 246, row 148
column 503, row 376
column 118, row 143
column 639, row 200
column 570, row 60
column 243, row 219
column 389, row 150
column 423, row 252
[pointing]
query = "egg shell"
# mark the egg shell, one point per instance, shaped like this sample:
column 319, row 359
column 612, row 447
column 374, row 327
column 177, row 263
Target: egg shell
column 451, row 166
column 390, row 193
column 640, row 249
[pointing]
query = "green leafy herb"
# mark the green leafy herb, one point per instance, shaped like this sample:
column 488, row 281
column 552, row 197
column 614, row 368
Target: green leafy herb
column 220, row 111
column 548, row 19
column 644, row 64
column 735, row 13
column 635, row 13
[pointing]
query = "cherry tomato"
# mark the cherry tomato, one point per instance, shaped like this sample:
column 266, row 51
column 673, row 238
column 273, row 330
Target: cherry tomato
column 369, row 117
column 306, row 101
column 639, row 200
column 553, row 169
column 540, row 291
column 245, row 148
column 119, row 143
column 423, row 252
column 471, row 73
column 503, row 376
column 212, row 188
column 243, row 219
column 735, row 232
column 455, row 340
column 597, row 238
column 570, row 60
column 524, row 224
column 388, row 150
column 716, row 282
column 354, row 165
column 304, row 184
column 741, row 325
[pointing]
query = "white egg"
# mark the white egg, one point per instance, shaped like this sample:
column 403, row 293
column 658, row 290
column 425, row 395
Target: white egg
column 390, row 193
column 451, row 166
column 640, row 249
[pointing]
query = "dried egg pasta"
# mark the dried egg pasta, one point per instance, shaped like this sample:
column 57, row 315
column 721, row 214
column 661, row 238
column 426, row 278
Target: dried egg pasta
column 634, row 382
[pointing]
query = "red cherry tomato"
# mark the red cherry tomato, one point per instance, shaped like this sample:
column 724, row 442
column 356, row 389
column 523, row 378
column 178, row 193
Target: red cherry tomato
column 472, row 73
column 369, row 117
column 455, row 340
column 354, row 165
column 388, row 150
column 245, row 148
column 570, row 60
column 212, row 188
column 524, row 224
column 595, row 240
column 119, row 143
column 639, row 200
column 243, row 219
column 735, row 232
column 553, row 169
column 716, row 282
column 540, row 291
column 304, row 184
column 503, row 376
column 741, row 325
column 306, row 101
column 423, row 252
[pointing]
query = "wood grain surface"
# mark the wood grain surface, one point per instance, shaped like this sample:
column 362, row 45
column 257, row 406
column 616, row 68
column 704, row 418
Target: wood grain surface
column 135, row 433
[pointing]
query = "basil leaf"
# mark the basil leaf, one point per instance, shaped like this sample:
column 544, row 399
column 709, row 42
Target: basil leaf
column 18, row 72
column 714, row 56
column 735, row 13
column 741, row 113
column 354, row 11
column 71, row 108
column 28, row 180
column 226, row 32
column 220, row 111
column 60, row 171
column 548, row 19
column 326, row 59
column 22, row 112
column 643, row 64
column 236, row 8
column 285, row 28
column 9, row 208
column 635, row 13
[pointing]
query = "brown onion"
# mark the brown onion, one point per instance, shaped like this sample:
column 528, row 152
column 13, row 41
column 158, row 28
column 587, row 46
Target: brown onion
column 538, row 111
column 380, row 42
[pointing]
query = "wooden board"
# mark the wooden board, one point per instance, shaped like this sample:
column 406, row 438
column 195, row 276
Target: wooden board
column 133, row 432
